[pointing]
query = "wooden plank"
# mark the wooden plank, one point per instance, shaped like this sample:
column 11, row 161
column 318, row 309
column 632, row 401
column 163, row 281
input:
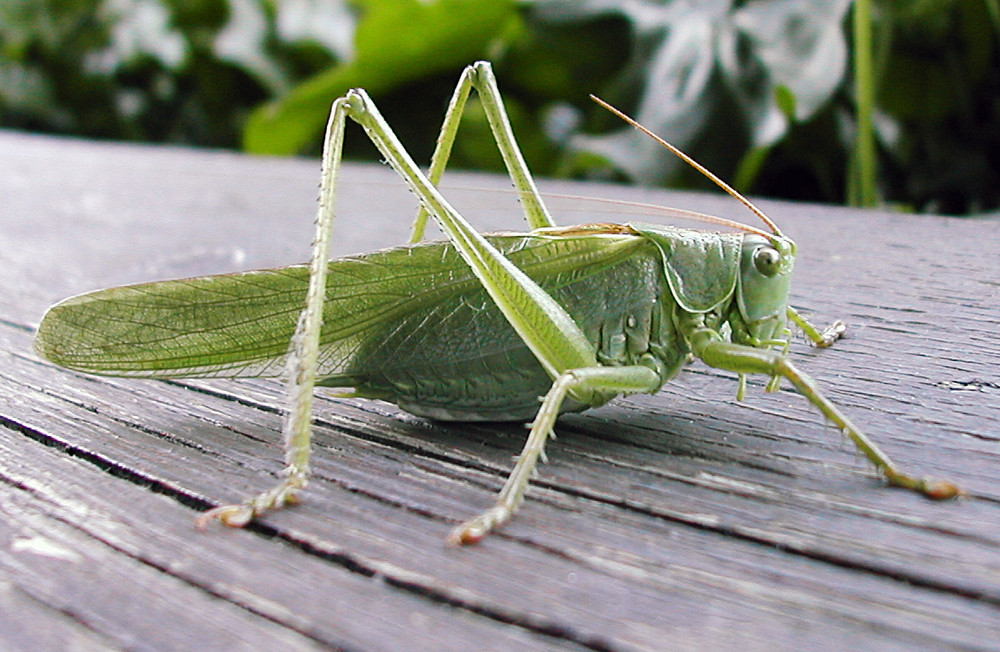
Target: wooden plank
column 682, row 519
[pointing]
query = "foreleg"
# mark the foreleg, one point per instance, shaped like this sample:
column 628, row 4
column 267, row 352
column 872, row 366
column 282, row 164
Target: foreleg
column 715, row 352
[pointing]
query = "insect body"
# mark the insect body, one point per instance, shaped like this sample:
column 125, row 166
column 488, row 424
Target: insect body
column 473, row 328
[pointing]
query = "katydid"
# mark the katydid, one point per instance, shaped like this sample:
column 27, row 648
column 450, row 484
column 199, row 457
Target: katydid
column 471, row 328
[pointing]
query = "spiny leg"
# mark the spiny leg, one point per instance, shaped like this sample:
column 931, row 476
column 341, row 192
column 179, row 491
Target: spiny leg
column 304, row 349
column 821, row 339
column 588, row 381
column 480, row 76
column 707, row 345
column 545, row 327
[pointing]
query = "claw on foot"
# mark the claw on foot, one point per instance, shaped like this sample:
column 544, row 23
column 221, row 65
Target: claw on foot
column 831, row 334
column 929, row 487
column 239, row 515
column 476, row 529
column 228, row 515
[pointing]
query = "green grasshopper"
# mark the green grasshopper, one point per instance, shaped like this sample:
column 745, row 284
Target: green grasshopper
column 472, row 328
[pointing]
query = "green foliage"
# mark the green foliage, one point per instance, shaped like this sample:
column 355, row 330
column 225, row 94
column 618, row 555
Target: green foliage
column 396, row 42
column 128, row 69
column 769, row 93
column 939, row 89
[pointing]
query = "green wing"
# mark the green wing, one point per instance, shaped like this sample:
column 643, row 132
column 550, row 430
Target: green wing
column 241, row 324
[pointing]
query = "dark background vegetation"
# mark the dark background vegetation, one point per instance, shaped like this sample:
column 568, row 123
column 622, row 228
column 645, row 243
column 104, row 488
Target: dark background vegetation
column 762, row 91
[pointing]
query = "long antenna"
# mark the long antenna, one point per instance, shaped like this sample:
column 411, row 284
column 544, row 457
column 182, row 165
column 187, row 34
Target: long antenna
column 644, row 207
column 656, row 209
column 693, row 163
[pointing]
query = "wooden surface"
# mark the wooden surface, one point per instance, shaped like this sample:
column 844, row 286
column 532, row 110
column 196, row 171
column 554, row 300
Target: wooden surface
column 678, row 521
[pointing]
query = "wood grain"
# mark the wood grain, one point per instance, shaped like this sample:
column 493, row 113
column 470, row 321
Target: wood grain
column 678, row 521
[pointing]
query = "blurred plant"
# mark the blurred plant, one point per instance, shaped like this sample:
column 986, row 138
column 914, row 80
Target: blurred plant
column 184, row 71
column 777, row 63
column 396, row 43
column 761, row 91
column 938, row 103
column 876, row 100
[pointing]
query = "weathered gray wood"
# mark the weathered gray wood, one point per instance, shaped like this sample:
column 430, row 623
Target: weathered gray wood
column 682, row 520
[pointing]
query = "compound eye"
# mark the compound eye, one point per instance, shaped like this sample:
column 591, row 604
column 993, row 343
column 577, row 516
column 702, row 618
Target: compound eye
column 767, row 260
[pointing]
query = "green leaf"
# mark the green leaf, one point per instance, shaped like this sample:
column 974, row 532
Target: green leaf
column 397, row 41
column 790, row 44
column 784, row 98
column 750, row 166
column 678, row 88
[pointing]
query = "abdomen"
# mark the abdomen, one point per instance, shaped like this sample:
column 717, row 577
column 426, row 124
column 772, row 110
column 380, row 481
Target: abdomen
column 461, row 360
